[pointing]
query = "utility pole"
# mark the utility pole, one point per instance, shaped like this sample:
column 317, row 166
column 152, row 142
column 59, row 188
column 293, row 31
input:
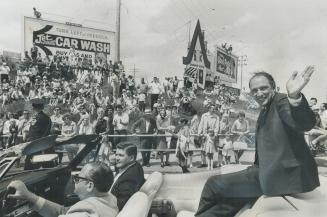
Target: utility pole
column 117, row 57
column 134, row 70
column 242, row 61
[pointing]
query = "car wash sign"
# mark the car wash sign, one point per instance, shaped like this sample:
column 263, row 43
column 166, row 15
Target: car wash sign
column 54, row 38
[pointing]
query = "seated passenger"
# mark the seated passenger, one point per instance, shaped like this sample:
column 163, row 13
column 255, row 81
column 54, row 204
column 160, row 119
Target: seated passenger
column 130, row 177
column 283, row 162
column 91, row 185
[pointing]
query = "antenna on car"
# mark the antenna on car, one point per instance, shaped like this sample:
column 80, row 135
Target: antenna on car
column 292, row 204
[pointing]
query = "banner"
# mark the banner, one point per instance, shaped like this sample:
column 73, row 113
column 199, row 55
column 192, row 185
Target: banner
column 52, row 38
column 226, row 66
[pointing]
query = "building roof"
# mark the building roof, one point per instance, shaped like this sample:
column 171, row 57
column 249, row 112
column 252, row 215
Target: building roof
column 197, row 34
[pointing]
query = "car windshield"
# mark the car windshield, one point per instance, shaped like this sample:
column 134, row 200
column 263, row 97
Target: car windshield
column 61, row 156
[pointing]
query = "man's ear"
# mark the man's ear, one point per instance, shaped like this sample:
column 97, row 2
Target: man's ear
column 131, row 158
column 90, row 187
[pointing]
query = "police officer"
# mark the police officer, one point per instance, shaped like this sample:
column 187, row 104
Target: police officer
column 40, row 126
column 40, row 123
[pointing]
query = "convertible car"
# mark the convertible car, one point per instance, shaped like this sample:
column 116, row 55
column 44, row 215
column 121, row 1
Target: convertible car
column 162, row 195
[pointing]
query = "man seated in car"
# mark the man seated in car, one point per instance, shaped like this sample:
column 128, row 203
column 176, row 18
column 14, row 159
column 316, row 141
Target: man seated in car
column 130, row 177
column 91, row 185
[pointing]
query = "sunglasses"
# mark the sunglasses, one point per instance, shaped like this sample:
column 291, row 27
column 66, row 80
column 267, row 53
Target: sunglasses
column 76, row 179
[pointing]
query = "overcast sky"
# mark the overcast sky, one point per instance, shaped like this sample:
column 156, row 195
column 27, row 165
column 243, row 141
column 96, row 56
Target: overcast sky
column 277, row 36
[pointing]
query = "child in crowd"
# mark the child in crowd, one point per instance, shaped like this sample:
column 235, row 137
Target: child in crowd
column 210, row 147
column 13, row 133
column 182, row 146
column 228, row 149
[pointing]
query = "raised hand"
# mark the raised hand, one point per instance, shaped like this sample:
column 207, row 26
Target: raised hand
column 298, row 81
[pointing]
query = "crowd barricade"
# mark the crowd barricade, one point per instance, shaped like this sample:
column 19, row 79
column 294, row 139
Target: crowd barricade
column 4, row 140
column 169, row 135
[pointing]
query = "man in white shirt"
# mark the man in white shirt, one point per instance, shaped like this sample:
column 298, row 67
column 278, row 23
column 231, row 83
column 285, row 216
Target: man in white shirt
column 155, row 90
column 120, row 123
column 4, row 72
column 7, row 123
column 24, row 125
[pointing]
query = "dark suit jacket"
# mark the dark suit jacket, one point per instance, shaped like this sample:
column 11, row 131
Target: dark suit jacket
column 286, row 165
column 140, row 124
column 40, row 128
column 146, row 142
column 128, row 183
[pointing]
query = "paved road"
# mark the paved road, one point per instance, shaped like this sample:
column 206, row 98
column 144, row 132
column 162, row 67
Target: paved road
column 247, row 158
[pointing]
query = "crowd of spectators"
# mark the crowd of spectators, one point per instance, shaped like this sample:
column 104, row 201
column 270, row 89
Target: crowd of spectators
column 85, row 97
column 317, row 137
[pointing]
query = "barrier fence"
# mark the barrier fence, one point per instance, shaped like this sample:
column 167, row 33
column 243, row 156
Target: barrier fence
column 4, row 138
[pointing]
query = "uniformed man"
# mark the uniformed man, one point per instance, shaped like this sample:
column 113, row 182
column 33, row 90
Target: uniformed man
column 40, row 126
column 40, row 123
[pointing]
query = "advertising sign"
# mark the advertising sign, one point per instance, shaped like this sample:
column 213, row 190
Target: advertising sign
column 226, row 66
column 12, row 55
column 53, row 38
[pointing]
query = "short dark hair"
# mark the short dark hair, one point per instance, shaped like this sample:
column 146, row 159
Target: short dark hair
column 119, row 106
column 241, row 114
column 266, row 75
column 101, row 175
column 314, row 98
column 129, row 148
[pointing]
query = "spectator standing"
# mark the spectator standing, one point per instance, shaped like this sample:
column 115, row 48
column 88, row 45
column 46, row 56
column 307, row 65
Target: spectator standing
column 240, row 128
column 224, row 128
column 85, row 126
column 182, row 146
column 209, row 121
column 141, row 97
column 155, row 90
column 131, row 84
column 143, row 87
column 120, row 122
column 69, row 129
column 175, row 84
column 210, row 147
column 24, row 125
column 6, row 124
column 164, row 127
column 57, row 121
column 194, row 141
column 13, row 134
column 101, row 123
column 323, row 115
column 313, row 102
column 40, row 127
column 34, row 51
column 146, row 125
column 4, row 72
column 123, row 83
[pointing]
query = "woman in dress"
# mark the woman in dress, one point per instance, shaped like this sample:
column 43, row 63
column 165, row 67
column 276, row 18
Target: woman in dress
column 163, row 125
column 240, row 129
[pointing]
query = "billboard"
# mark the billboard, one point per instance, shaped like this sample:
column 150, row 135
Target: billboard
column 15, row 56
column 226, row 66
column 53, row 38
